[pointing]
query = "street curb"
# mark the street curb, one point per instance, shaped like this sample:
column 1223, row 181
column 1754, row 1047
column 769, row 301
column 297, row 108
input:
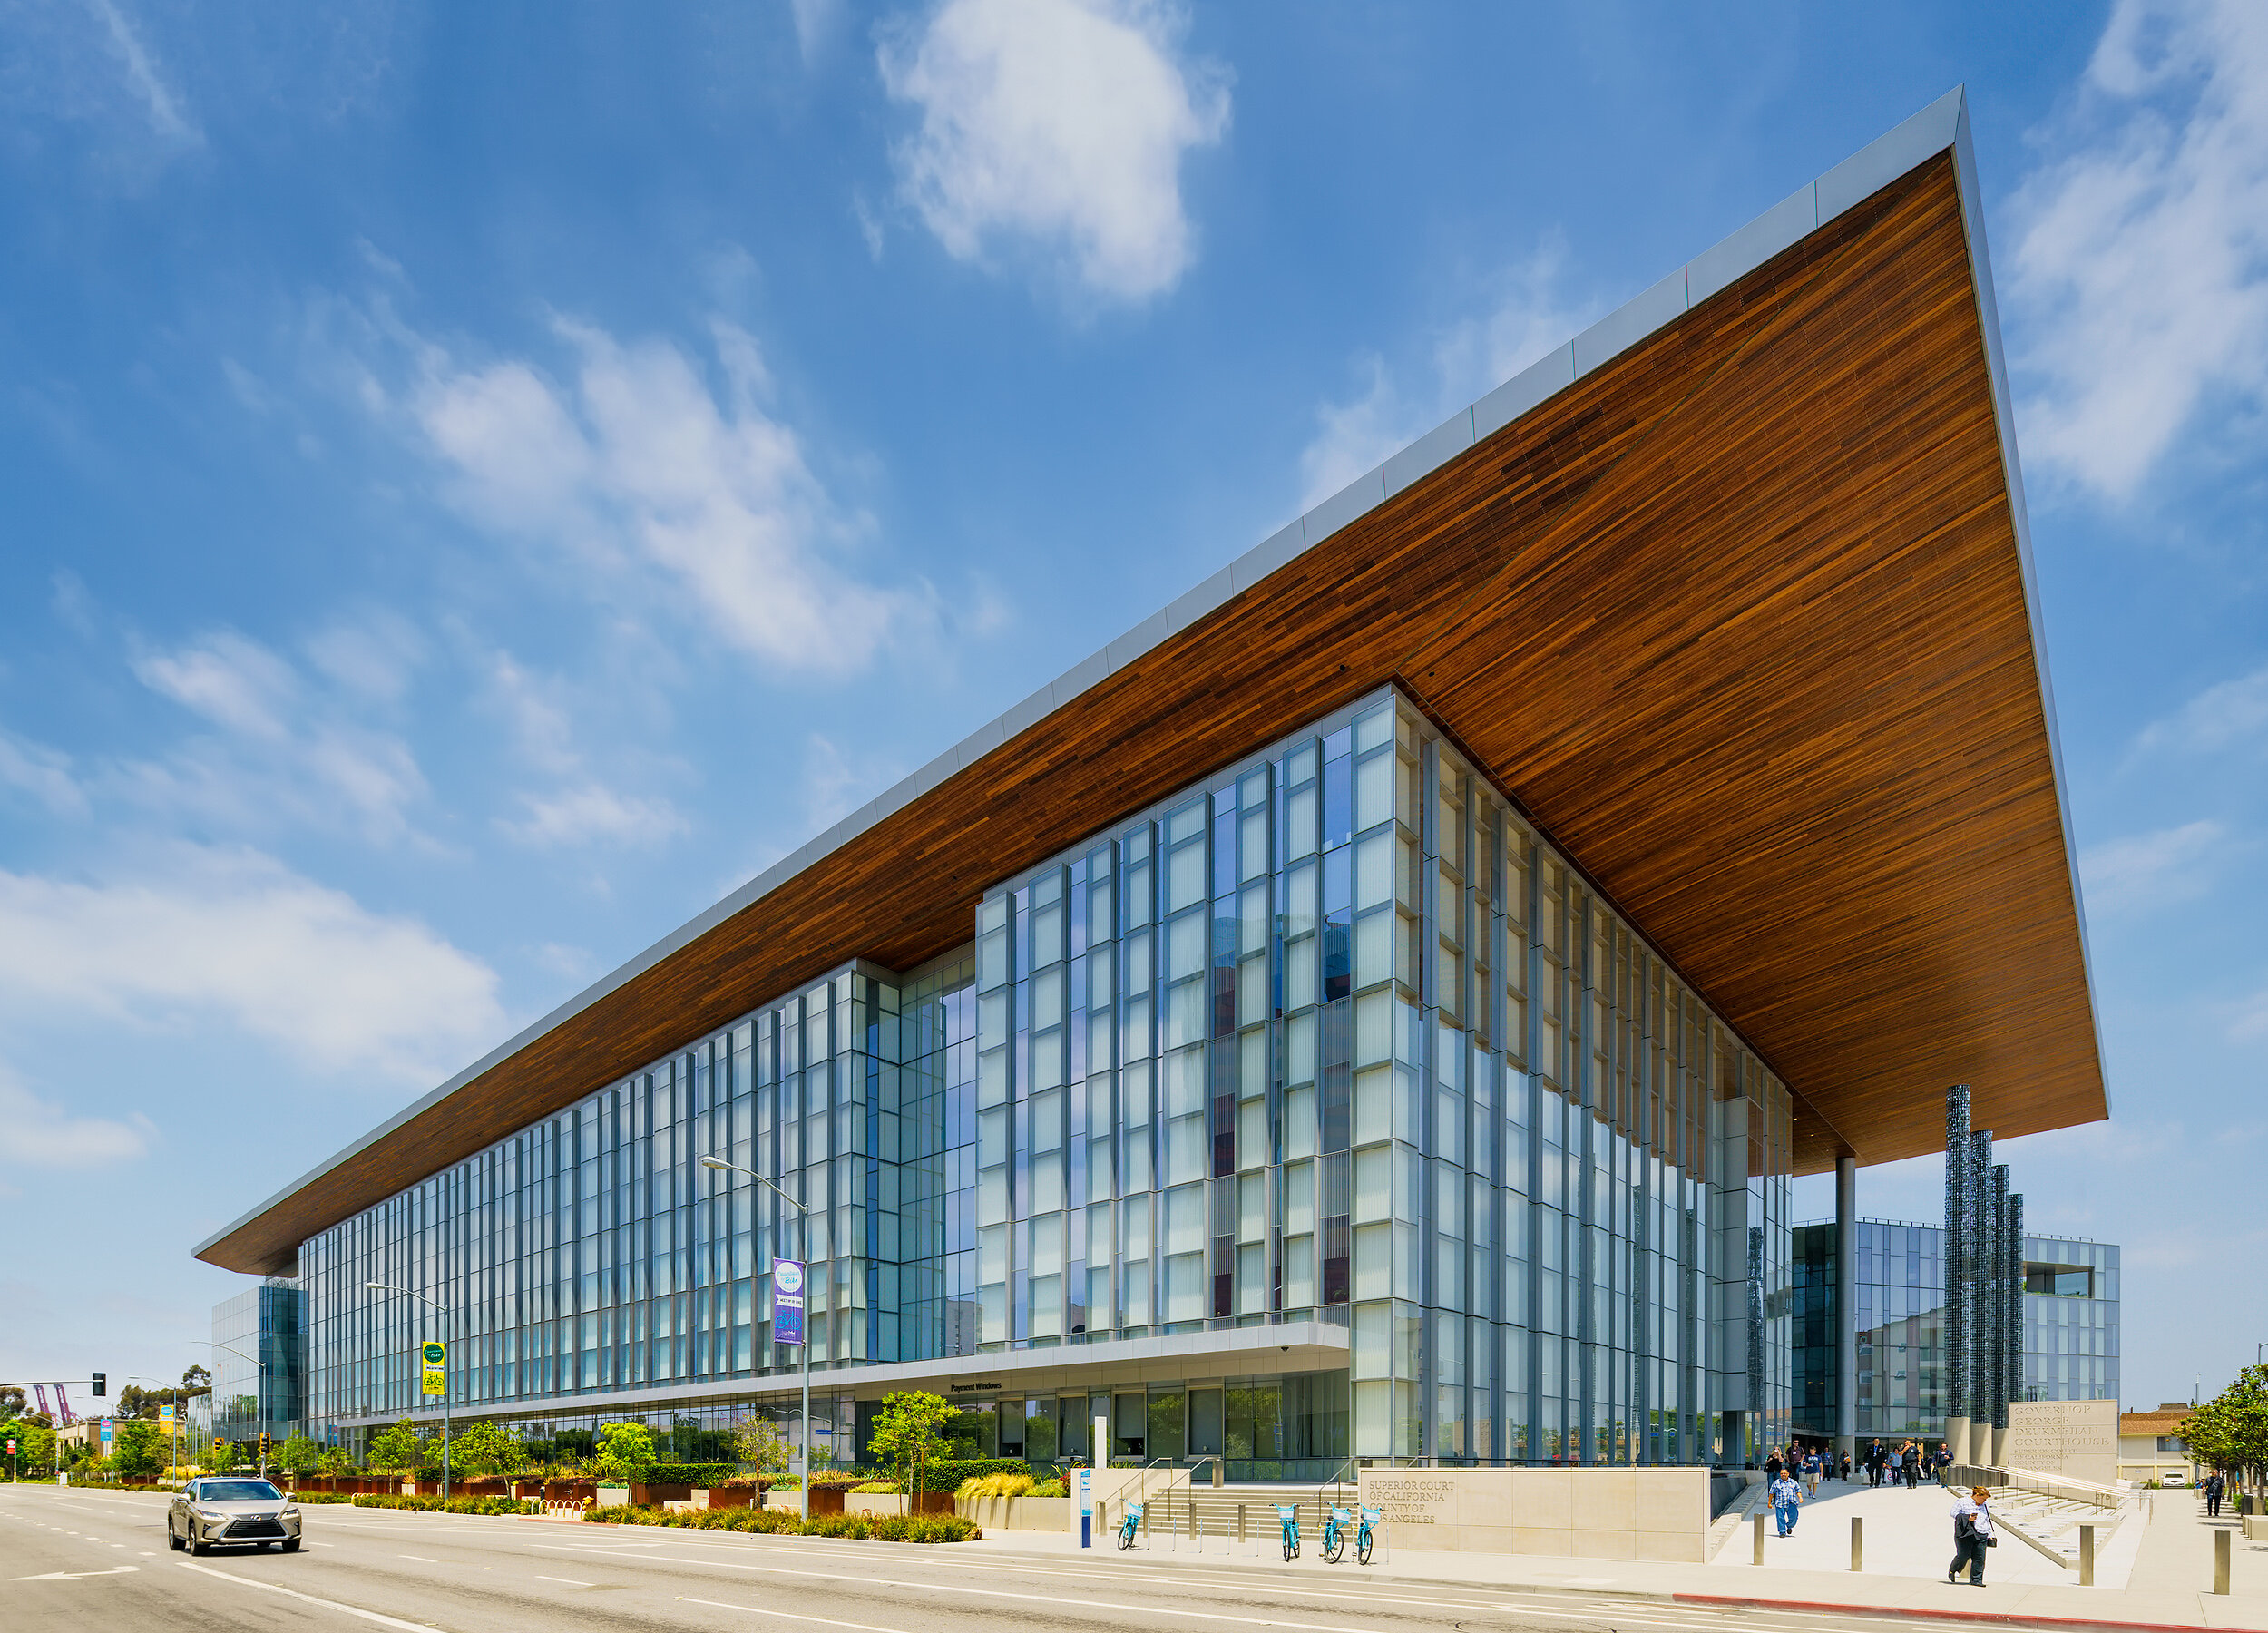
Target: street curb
column 2002, row 1619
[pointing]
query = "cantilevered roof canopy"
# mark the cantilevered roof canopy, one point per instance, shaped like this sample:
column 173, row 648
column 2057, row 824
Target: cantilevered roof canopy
column 1731, row 593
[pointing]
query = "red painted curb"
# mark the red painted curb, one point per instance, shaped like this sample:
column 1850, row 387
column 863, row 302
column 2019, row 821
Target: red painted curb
column 2006, row 1618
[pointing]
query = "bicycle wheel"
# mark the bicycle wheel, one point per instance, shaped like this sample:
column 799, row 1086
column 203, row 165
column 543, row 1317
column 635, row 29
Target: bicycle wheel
column 1362, row 1546
column 1126, row 1536
column 1291, row 1549
column 1333, row 1545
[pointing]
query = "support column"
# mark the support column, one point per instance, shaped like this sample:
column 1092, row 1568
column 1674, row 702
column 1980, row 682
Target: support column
column 1984, row 1318
column 1846, row 1304
column 1955, row 1343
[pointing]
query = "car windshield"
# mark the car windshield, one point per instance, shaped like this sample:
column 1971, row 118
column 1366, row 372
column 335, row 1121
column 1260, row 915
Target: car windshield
column 238, row 1490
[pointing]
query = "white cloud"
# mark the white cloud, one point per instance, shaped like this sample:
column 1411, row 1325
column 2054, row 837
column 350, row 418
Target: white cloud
column 1526, row 317
column 592, row 811
column 2146, row 870
column 2140, row 270
column 43, row 773
column 287, row 750
column 39, row 1133
column 835, row 784
column 2251, row 1024
column 1061, row 122
column 158, row 99
column 236, row 935
column 635, row 465
column 2232, row 712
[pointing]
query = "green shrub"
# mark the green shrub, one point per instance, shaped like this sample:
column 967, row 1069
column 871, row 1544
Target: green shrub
column 693, row 1475
column 883, row 1527
column 455, row 1505
column 321, row 1497
column 1049, row 1488
column 946, row 1474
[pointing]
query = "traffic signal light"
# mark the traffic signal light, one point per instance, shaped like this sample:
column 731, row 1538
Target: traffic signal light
column 101, row 1383
column 265, row 1440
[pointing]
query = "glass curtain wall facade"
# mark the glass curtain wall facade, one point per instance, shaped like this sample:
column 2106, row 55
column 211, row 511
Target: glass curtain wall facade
column 1333, row 1035
column 2070, row 1325
column 590, row 1253
column 269, row 1393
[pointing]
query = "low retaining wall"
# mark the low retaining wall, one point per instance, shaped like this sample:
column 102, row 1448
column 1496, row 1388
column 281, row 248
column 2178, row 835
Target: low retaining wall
column 1020, row 1513
column 1583, row 1513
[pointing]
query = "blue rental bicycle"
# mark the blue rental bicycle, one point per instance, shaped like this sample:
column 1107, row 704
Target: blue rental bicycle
column 1370, row 1517
column 1129, row 1525
column 1288, row 1512
column 1334, row 1526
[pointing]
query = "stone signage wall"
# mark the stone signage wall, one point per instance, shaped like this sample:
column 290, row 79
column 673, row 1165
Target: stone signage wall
column 2076, row 1439
column 1582, row 1513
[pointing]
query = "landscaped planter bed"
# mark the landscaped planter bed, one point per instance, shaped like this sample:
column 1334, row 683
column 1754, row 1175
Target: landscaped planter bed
column 883, row 1528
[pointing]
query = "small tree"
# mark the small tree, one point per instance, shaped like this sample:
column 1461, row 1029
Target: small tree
column 139, row 1451
column 487, row 1449
column 399, row 1447
column 298, row 1456
column 909, row 1429
column 335, row 1459
column 625, row 1451
column 758, row 1441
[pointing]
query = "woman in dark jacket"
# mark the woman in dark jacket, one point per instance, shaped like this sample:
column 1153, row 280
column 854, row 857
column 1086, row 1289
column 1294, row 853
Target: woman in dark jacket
column 1972, row 1534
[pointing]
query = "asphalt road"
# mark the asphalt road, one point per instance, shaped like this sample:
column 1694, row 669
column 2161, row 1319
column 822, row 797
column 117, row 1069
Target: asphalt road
column 96, row 1561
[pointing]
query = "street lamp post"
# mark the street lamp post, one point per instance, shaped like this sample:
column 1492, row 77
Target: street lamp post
column 448, row 1338
column 260, row 1383
column 803, row 1219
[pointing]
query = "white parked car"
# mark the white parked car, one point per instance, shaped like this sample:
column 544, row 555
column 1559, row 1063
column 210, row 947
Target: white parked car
column 215, row 1513
column 2173, row 1477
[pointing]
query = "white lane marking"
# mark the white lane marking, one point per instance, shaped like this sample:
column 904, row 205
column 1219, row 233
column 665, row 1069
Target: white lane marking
column 1044, row 1599
column 1639, row 1615
column 419, row 1557
column 569, row 1581
column 786, row 1615
column 115, row 1570
column 382, row 1619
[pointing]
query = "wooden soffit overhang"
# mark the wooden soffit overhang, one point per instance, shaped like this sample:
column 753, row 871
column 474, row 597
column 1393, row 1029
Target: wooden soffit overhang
column 1740, row 613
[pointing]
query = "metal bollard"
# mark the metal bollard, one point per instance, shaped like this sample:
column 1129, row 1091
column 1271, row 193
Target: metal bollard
column 2220, row 1561
column 2087, row 1556
column 1759, row 1539
column 1192, row 1519
column 1240, row 1522
column 1858, row 1541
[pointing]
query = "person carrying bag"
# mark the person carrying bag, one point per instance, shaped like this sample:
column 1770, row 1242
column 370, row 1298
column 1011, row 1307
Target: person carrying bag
column 1972, row 1534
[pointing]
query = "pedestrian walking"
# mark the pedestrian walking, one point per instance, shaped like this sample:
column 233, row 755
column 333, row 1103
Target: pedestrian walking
column 1972, row 1534
column 1773, row 1465
column 1913, row 1467
column 1786, row 1497
column 1941, row 1462
column 1812, row 1472
column 2215, row 1488
column 1897, row 1464
column 1876, row 1461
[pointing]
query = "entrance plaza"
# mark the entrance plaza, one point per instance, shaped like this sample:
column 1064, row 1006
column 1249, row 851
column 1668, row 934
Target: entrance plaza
column 1366, row 1019
column 2157, row 1572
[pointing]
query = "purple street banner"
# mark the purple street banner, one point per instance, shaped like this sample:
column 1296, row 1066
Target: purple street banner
column 786, row 1302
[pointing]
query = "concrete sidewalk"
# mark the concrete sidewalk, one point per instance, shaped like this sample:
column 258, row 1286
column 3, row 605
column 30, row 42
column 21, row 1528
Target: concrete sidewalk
column 2167, row 1585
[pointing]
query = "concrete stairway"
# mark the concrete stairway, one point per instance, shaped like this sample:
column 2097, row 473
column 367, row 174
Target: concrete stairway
column 1184, row 1516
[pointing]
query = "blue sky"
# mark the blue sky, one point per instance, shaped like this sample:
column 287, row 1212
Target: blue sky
column 476, row 484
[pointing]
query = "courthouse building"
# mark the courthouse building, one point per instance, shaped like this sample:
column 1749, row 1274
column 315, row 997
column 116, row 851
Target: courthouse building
column 1376, row 1006
column 1896, row 1326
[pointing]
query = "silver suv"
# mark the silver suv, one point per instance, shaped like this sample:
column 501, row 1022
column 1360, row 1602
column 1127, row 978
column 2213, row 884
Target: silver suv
column 215, row 1513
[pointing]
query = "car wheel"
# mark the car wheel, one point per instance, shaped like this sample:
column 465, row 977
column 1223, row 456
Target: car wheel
column 291, row 1546
column 172, row 1538
column 198, row 1545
